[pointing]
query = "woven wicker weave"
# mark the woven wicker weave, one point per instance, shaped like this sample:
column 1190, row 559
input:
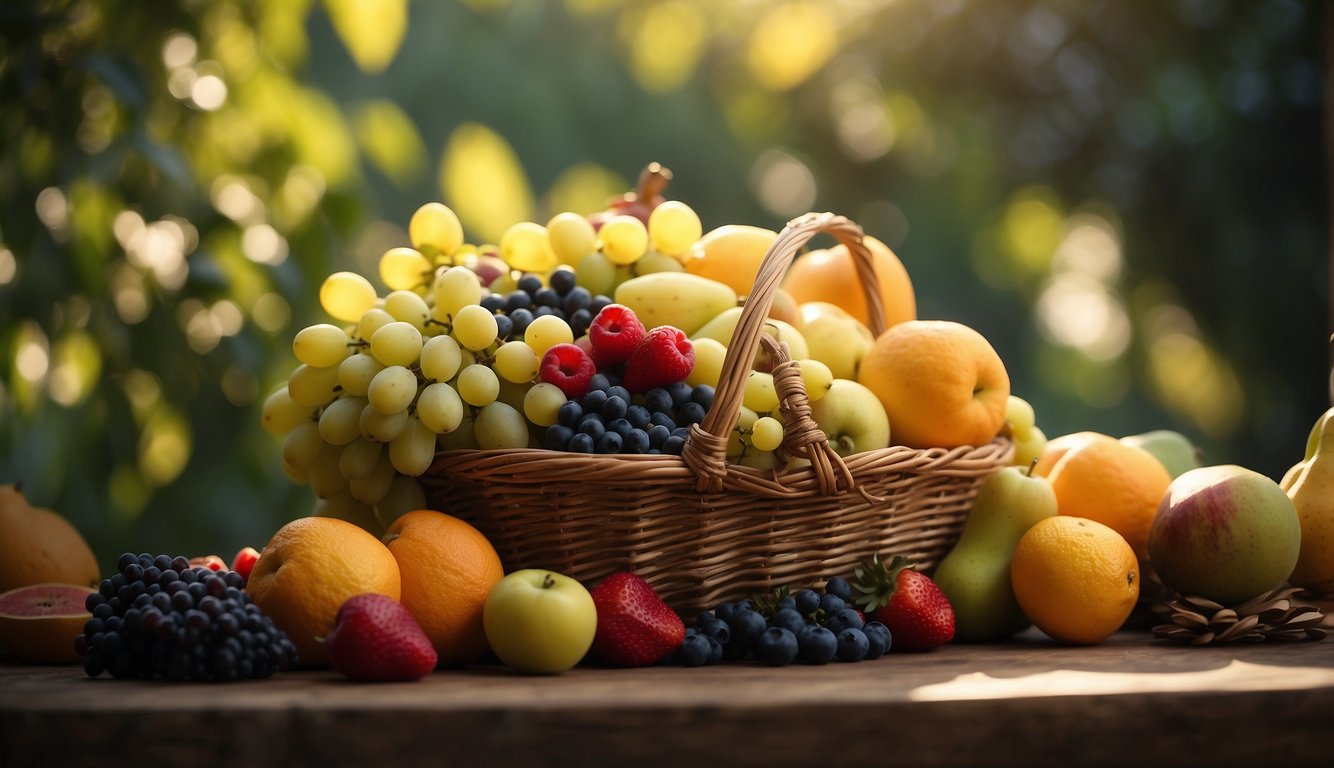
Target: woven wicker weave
column 701, row 530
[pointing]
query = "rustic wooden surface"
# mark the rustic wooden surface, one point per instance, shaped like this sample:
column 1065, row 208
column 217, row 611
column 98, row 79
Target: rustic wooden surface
column 1130, row 701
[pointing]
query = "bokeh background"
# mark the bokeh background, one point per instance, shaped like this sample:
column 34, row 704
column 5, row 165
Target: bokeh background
column 1127, row 198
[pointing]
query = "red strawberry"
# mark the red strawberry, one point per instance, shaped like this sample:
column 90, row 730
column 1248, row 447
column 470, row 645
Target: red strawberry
column 665, row 356
column 635, row 627
column 614, row 334
column 568, row 367
column 375, row 638
column 245, row 561
column 918, row 614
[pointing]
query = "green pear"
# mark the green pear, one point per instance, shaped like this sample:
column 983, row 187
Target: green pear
column 1176, row 452
column 1312, row 442
column 1312, row 493
column 675, row 298
column 975, row 575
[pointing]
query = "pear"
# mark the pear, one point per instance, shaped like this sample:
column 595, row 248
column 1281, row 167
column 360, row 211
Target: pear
column 1312, row 493
column 1312, row 441
column 975, row 575
column 1176, row 452
column 675, row 298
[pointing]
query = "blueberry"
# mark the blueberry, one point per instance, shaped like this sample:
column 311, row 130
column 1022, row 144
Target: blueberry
column 615, row 407
column 816, row 645
column 610, row 442
column 562, row 280
column 788, row 619
column 530, row 283
column 853, row 645
column 680, row 392
column 493, row 302
column 681, row 432
column 786, row 602
column 520, row 318
column 543, row 311
column 636, row 441
column 660, row 419
column 592, row 426
column 717, row 629
column 877, row 638
column 847, row 618
column 776, row 646
column 839, row 586
column 504, row 326
column 694, row 651
column 582, row 442
column 657, row 400
column 701, row 618
column 638, row 416
column 703, row 395
column 725, row 611
column 747, row 626
column 744, row 605
column 673, row 445
column 690, row 413
column 620, row 427
column 569, row 414
column 600, row 382
column 595, row 398
column 599, row 303
column 580, row 320
column 577, row 300
column 547, row 297
column 516, row 300
column 832, row 604
column 657, row 434
column 715, row 649
column 557, row 437
column 807, row 600
column 616, row 390
column 125, row 559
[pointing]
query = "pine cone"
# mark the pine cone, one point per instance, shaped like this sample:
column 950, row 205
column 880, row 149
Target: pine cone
column 1272, row 616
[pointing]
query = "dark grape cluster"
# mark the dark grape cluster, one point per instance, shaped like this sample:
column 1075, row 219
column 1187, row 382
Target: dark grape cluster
column 807, row 626
column 531, row 299
column 160, row 618
column 609, row 420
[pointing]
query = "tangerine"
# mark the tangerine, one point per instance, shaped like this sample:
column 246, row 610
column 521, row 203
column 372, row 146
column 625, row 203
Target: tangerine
column 1113, row 483
column 830, row 275
column 1058, row 446
column 1077, row 580
column 308, row 570
column 447, row 569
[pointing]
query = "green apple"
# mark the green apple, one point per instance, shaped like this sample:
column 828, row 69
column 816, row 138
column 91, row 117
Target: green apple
column 1226, row 533
column 835, row 337
column 539, row 621
column 852, row 417
column 1176, row 452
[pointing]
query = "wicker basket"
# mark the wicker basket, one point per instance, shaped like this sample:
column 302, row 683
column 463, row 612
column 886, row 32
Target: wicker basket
column 701, row 530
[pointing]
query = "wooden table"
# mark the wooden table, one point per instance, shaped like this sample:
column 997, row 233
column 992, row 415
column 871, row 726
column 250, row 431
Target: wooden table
column 1129, row 702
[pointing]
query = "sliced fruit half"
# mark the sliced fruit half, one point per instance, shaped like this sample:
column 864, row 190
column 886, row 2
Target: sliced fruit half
column 38, row 623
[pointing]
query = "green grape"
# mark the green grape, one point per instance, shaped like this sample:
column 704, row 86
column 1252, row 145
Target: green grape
column 280, row 414
column 760, row 395
column 413, row 450
column 381, row 427
column 597, row 273
column 816, row 377
column 673, row 227
column 434, row 228
column 542, row 403
column 461, row 438
column 373, row 487
column 404, row 269
column 371, row 321
column 320, row 345
column 397, row 343
column 624, row 239
column 512, row 394
column 346, row 295
column 504, row 283
column 516, row 361
column 408, row 307
column 500, row 426
column 358, row 458
column 478, row 385
column 745, row 420
column 325, row 479
column 405, row 495
column 298, row 475
column 340, row 423
column 766, row 433
column 709, row 356
column 311, row 386
column 346, row 508
column 524, row 247
column 440, row 407
column 657, row 261
column 355, row 374
column 475, row 327
column 392, row 389
column 547, row 331
column 571, row 237
column 440, row 358
column 302, row 445
column 455, row 288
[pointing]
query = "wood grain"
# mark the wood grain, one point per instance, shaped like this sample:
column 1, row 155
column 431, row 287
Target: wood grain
column 1130, row 701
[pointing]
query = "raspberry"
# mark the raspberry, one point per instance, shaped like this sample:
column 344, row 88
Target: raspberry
column 568, row 367
column 614, row 334
column 665, row 356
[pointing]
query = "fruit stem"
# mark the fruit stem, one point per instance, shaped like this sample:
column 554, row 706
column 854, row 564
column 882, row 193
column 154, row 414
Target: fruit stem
column 1031, row 465
column 548, row 582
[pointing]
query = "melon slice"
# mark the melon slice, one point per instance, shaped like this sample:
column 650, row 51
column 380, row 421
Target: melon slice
column 38, row 623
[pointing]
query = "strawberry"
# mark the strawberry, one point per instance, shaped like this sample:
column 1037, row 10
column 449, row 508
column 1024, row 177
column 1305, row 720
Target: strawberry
column 665, row 356
column 568, row 367
column 614, row 334
column 918, row 614
column 375, row 638
column 635, row 627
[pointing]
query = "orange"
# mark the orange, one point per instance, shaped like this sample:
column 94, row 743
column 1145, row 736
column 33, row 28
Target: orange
column 39, row 546
column 730, row 254
column 941, row 382
column 1058, row 446
column 829, row 275
column 1076, row 579
column 308, row 570
column 1115, row 484
column 448, row 568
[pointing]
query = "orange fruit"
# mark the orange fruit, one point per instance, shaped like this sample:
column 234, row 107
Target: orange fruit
column 1077, row 580
column 308, row 570
column 39, row 546
column 1112, row 483
column 447, row 569
column 829, row 275
column 941, row 382
column 38, row 623
column 1058, row 446
column 731, row 255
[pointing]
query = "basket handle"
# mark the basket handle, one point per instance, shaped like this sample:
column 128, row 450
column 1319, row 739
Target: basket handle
column 705, row 452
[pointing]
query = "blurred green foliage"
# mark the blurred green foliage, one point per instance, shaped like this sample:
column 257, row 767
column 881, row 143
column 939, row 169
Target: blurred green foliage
column 1125, row 198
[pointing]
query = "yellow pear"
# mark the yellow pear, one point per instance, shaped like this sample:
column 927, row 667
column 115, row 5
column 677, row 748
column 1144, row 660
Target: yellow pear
column 1312, row 493
column 678, row 299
